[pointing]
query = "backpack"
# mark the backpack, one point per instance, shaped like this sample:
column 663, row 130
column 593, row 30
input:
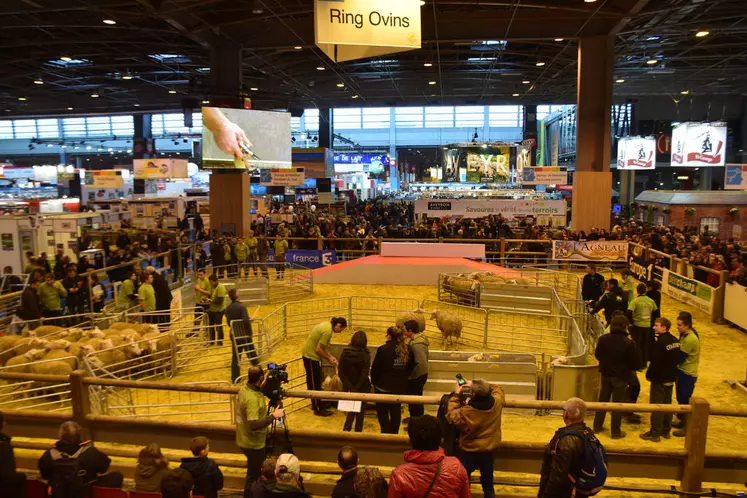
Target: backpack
column 68, row 478
column 593, row 466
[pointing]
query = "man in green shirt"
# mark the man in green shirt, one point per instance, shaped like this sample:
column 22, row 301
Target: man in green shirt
column 126, row 294
column 281, row 247
column 215, row 310
column 252, row 421
column 640, row 310
column 313, row 350
column 50, row 292
column 203, row 292
column 628, row 284
column 242, row 253
column 251, row 244
column 147, row 297
column 688, row 368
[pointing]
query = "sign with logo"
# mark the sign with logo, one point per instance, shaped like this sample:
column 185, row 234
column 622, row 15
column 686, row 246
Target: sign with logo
column 439, row 206
column 638, row 265
column 615, row 251
column 312, row 259
column 104, row 179
column 688, row 291
column 664, row 144
column 546, row 212
column 357, row 29
column 159, row 168
column 699, row 144
column 544, row 175
column 636, row 153
column 736, row 177
column 282, row 177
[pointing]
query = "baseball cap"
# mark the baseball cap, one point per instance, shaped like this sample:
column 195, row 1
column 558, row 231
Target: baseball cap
column 288, row 463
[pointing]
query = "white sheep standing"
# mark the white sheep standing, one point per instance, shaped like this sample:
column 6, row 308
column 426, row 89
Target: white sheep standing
column 416, row 315
column 21, row 363
column 449, row 324
column 64, row 356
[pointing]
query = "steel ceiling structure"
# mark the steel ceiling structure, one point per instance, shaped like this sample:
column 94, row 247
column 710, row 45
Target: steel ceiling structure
column 476, row 52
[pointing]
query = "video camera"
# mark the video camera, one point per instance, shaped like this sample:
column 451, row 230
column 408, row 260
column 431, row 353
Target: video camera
column 276, row 376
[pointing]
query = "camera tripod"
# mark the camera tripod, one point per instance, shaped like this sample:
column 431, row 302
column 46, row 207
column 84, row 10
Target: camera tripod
column 276, row 401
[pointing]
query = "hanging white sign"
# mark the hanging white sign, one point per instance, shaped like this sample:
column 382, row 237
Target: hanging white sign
column 699, row 144
column 636, row 153
column 357, row 29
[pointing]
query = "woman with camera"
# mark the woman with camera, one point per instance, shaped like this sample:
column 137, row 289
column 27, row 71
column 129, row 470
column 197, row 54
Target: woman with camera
column 355, row 363
column 391, row 368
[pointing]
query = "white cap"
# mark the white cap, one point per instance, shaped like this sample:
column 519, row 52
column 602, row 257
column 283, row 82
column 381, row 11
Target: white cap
column 288, row 463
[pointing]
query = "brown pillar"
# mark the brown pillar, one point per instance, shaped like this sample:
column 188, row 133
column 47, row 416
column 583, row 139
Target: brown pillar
column 229, row 202
column 592, row 181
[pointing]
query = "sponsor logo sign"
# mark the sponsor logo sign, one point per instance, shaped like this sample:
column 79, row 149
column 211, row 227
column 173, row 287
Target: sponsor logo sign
column 439, row 206
column 736, row 177
column 312, row 259
column 282, row 177
column 636, row 153
column 699, row 144
column 688, row 291
column 104, row 179
column 543, row 175
column 590, row 251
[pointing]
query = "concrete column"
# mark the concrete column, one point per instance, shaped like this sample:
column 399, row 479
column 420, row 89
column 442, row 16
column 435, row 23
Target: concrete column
column 592, row 182
column 142, row 143
column 326, row 128
column 706, row 178
column 627, row 186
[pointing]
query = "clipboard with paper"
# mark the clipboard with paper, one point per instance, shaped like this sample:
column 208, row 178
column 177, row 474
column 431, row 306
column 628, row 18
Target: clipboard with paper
column 349, row 406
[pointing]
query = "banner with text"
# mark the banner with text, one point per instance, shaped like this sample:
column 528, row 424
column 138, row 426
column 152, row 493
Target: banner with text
column 636, row 153
column 104, row 179
column 544, row 175
column 699, row 144
column 546, row 212
column 688, row 291
column 357, row 29
column 149, row 169
column 641, row 269
column 611, row 251
column 736, row 177
column 312, row 259
column 282, row 177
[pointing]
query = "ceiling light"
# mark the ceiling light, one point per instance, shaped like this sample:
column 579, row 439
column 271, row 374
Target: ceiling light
column 484, row 146
column 254, row 89
column 258, row 7
column 320, row 68
column 619, row 80
column 685, row 92
column 69, row 108
column 50, row 145
column 526, row 82
column 22, row 99
column 137, row 105
column 38, row 81
column 540, row 64
column 109, row 22
column 94, row 95
column 515, row 94
column 172, row 91
column 589, row 1
column 422, row 2
column 341, row 85
column 88, row 147
column 651, row 62
column 66, row 58
column 431, row 82
column 205, row 101
column 558, row 39
column 427, row 64
column 127, row 76
column 298, row 47
column 355, row 96
column 702, row 33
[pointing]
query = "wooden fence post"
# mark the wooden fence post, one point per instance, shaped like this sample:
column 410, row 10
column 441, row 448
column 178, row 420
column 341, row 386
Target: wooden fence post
column 81, row 400
column 696, row 432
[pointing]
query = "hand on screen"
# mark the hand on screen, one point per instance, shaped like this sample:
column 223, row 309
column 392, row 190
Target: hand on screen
column 229, row 137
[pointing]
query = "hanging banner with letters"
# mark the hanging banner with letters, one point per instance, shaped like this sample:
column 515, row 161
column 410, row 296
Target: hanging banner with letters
column 699, row 144
column 282, row 177
column 104, row 179
column 150, row 169
column 357, row 29
column 544, row 175
column 601, row 250
column 636, row 153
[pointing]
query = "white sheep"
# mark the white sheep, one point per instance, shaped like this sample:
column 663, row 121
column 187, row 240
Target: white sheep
column 416, row 315
column 21, row 363
column 62, row 355
column 98, row 344
column 94, row 334
column 73, row 335
column 449, row 324
column 61, row 344
column 45, row 330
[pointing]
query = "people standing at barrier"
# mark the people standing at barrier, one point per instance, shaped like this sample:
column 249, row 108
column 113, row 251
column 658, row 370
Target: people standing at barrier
column 126, row 295
column 618, row 360
column 252, row 421
column 76, row 292
column 263, row 486
column 263, row 249
column 419, row 375
column 98, row 294
column 687, row 376
column 240, row 326
column 177, row 483
column 30, row 310
column 251, row 244
column 571, row 450
column 203, row 291
column 427, row 470
column 163, row 298
column 206, row 475
column 662, row 373
column 12, row 483
column 476, row 408
column 242, row 255
column 72, row 466
column 280, row 247
column 347, row 460
column 391, row 369
column 215, row 310
column 354, row 367
column 591, row 285
column 51, row 293
column 150, row 469
column 147, row 297
column 216, row 253
column 314, row 349
column 229, row 257
column 640, row 310
column 654, row 292
column 612, row 300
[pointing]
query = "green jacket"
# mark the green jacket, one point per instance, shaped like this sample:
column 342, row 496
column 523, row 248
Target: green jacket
column 50, row 295
column 218, row 292
column 420, row 346
column 251, row 407
column 251, row 243
column 147, row 294
column 125, row 291
column 242, row 251
column 281, row 246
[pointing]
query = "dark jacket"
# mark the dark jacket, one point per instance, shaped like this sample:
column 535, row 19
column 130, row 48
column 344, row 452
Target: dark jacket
column 207, row 477
column 591, row 287
column 353, row 370
column 288, row 491
column 7, row 460
column 262, row 488
column 655, row 295
column 554, row 480
column 148, row 475
column 72, row 283
column 388, row 373
column 92, row 462
column 162, row 291
column 30, row 305
column 617, row 355
column 345, row 487
column 664, row 357
column 237, row 311
column 610, row 302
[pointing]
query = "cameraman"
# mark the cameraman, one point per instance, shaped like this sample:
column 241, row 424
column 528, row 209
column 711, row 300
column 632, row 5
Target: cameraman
column 251, row 424
column 479, row 423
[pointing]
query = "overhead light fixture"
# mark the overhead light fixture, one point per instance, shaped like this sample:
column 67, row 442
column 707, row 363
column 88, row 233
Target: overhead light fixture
column 431, row 82
column 589, row 1
column 540, row 64
column 515, row 94
column 88, row 147
column 38, row 80
column 651, row 62
column 685, row 92
column 559, row 39
column 110, row 22
column 355, row 96
column 422, row 2
column 620, row 80
column 320, row 68
column 205, row 101
column 702, row 33
column 65, row 58
column 172, row 91
column 258, row 7
column 341, row 85
column 22, row 99
column 427, row 64
column 137, row 105
column 94, row 95
column 254, row 89
column 526, row 82
column 69, row 108
column 50, row 145
column 298, row 47
column 127, row 76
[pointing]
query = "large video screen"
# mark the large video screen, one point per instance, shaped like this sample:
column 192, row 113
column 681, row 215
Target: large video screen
column 493, row 166
column 245, row 139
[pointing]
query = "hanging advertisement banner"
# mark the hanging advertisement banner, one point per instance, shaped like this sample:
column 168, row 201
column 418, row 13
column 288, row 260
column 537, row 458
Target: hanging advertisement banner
column 636, row 153
column 357, row 29
column 688, row 291
column 149, row 169
column 590, row 251
column 549, row 211
column 544, row 175
column 104, row 179
column 736, row 177
column 699, row 144
column 282, row 177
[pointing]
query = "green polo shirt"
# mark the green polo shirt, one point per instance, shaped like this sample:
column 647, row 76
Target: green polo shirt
column 147, row 294
column 251, row 406
column 125, row 291
column 642, row 308
column 50, row 295
column 629, row 285
column 218, row 292
column 242, row 251
column 320, row 334
column 690, row 345
column 204, row 284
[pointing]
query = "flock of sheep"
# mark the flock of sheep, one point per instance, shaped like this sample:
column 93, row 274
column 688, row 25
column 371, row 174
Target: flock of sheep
column 466, row 285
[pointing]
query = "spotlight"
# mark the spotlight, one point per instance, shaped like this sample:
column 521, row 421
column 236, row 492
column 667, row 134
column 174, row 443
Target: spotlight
column 69, row 108
column 38, row 80
column 341, row 85
column 620, row 80
column 427, row 64
column 651, row 62
column 298, row 47
column 110, row 22
column 526, row 82
column 431, row 82
column 127, row 76
column 540, row 64
column 172, row 91
column 94, row 95
column 254, row 89
column 257, row 7
column 22, row 99
column 515, row 94
column 65, row 58
column 702, row 33
column 320, row 68
column 558, row 39
column 205, row 101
